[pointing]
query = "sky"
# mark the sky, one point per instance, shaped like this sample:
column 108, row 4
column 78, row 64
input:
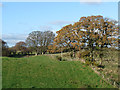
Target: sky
column 21, row 18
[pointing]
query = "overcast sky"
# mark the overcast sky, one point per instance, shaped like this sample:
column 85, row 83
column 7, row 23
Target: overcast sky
column 21, row 18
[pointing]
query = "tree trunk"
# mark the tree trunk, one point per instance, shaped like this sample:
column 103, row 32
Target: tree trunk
column 73, row 53
column 101, row 62
column 91, row 54
column 36, row 54
column 61, row 52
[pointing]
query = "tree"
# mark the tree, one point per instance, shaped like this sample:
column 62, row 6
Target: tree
column 99, row 32
column 4, row 48
column 65, row 38
column 29, row 50
column 40, row 40
column 69, row 37
column 47, row 39
column 12, row 51
column 91, row 32
column 21, row 46
column 33, row 40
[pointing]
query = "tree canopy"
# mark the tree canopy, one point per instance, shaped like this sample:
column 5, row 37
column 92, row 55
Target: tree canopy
column 91, row 32
column 40, row 40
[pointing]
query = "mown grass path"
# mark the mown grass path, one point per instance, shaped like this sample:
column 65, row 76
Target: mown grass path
column 45, row 72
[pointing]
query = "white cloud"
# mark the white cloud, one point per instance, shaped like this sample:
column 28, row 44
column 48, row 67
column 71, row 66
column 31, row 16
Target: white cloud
column 1, row 4
column 14, row 36
column 12, row 42
column 12, row 39
column 91, row 2
column 60, row 23
column 45, row 28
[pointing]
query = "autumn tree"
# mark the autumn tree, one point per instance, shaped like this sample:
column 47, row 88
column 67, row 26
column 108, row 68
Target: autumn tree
column 65, row 38
column 53, row 48
column 91, row 32
column 21, row 46
column 99, row 32
column 70, row 37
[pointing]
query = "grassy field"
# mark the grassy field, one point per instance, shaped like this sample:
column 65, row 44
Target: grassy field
column 47, row 72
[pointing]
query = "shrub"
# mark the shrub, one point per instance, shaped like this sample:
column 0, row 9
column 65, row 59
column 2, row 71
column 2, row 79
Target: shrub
column 78, row 54
column 83, row 54
column 64, row 59
column 59, row 58
column 71, row 54
column 89, row 62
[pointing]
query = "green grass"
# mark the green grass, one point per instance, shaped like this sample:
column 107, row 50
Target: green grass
column 45, row 72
